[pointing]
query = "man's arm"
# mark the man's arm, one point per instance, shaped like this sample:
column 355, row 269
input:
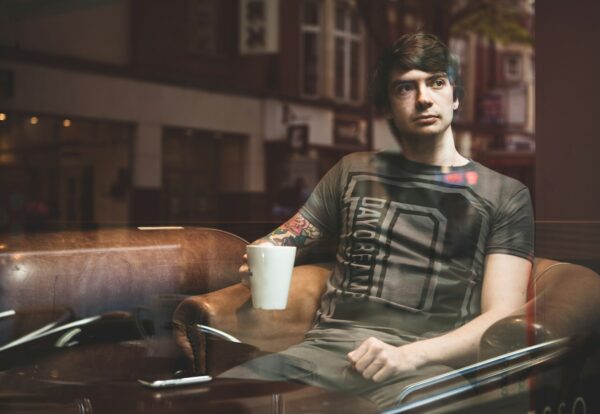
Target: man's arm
column 297, row 231
column 504, row 290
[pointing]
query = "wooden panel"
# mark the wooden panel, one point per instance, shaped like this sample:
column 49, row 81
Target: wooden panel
column 567, row 113
column 570, row 241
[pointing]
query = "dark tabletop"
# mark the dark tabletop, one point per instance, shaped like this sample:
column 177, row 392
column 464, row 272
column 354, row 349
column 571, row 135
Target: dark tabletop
column 102, row 378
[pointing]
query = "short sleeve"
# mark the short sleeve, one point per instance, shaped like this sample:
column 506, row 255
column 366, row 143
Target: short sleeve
column 513, row 228
column 323, row 207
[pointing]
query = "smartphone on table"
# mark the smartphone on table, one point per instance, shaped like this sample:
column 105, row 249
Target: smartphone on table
column 176, row 382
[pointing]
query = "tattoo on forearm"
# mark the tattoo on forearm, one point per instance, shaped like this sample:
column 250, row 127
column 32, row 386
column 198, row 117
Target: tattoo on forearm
column 297, row 231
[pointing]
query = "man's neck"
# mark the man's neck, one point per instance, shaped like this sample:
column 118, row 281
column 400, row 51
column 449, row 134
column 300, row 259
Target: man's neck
column 433, row 150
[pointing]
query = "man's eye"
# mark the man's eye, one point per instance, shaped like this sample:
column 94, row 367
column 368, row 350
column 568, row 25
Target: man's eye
column 403, row 90
column 438, row 83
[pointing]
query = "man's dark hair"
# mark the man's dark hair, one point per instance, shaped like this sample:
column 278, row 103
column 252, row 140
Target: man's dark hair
column 421, row 51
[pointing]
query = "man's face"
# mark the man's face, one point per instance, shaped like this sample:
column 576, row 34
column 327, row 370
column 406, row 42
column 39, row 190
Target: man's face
column 421, row 103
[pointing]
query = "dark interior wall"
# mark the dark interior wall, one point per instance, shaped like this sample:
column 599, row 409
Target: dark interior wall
column 568, row 110
column 567, row 130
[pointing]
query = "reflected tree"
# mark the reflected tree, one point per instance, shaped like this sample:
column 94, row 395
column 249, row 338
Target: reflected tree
column 499, row 20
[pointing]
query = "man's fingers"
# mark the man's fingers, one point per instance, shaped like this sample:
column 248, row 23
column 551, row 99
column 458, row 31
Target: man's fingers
column 373, row 368
column 244, row 270
column 244, row 274
column 244, row 267
column 383, row 374
column 362, row 356
column 374, row 359
column 355, row 355
column 365, row 356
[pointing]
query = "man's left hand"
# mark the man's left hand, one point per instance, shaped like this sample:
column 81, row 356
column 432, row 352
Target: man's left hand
column 378, row 361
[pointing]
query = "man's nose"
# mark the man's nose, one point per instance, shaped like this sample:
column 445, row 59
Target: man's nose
column 423, row 97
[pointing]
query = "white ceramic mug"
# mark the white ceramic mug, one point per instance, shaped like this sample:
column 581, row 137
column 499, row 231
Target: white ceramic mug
column 270, row 275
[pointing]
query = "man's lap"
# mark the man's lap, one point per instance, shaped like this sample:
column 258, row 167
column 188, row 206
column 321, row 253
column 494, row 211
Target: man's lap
column 322, row 362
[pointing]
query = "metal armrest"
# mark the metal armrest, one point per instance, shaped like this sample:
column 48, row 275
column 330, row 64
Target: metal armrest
column 110, row 327
column 7, row 314
column 60, row 320
column 218, row 333
column 48, row 331
column 552, row 350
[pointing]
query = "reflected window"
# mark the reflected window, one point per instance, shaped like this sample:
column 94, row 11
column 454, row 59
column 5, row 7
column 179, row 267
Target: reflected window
column 347, row 43
column 198, row 167
column 311, row 53
column 202, row 23
column 513, row 67
column 60, row 172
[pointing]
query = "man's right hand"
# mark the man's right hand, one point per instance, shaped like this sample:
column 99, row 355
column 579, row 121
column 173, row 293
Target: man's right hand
column 245, row 271
column 297, row 231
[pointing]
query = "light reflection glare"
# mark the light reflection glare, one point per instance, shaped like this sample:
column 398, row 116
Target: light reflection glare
column 161, row 228
column 18, row 256
column 21, row 270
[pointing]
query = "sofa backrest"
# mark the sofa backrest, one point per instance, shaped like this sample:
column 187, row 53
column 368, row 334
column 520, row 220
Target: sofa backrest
column 98, row 271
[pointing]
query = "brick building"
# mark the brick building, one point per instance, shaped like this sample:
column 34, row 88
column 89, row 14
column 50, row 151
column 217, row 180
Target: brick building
column 124, row 112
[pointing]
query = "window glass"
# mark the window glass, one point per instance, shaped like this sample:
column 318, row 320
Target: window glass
column 202, row 20
column 340, row 67
column 354, row 72
column 60, row 172
column 311, row 63
column 231, row 165
column 191, row 175
column 310, row 50
column 311, row 12
column 354, row 25
column 340, row 16
column 347, row 53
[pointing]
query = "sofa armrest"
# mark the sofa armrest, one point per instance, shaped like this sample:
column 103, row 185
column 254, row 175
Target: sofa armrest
column 230, row 310
column 564, row 302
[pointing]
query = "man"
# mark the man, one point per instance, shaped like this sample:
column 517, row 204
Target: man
column 433, row 248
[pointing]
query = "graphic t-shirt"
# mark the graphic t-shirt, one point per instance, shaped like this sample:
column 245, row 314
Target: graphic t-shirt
column 413, row 240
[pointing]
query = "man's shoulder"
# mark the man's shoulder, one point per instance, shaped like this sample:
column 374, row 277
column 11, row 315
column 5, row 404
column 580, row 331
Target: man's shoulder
column 495, row 183
column 360, row 156
column 370, row 159
column 358, row 161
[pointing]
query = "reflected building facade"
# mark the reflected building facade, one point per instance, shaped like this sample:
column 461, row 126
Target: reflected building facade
column 212, row 112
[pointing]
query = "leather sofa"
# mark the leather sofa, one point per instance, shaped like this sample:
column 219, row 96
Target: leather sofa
column 564, row 300
column 89, row 273
column 77, row 329
column 59, row 277
column 523, row 356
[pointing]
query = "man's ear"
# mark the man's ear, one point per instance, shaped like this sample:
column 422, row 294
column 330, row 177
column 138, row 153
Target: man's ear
column 455, row 104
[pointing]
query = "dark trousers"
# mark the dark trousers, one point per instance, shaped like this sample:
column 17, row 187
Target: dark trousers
column 322, row 362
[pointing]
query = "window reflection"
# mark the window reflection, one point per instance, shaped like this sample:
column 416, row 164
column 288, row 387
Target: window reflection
column 63, row 173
